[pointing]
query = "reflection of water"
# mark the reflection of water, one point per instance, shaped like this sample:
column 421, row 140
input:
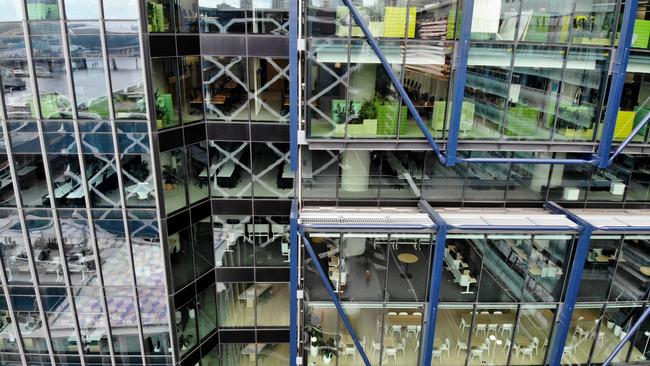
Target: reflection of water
column 89, row 83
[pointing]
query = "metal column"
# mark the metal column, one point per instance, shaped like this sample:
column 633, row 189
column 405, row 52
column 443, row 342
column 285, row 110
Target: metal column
column 458, row 91
column 434, row 286
column 618, row 79
column 575, row 276
column 293, row 284
column 294, row 106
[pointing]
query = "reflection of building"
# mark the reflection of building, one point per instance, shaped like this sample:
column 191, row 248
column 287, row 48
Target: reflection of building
column 146, row 187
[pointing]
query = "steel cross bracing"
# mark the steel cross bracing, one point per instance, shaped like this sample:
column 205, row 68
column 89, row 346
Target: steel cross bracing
column 603, row 158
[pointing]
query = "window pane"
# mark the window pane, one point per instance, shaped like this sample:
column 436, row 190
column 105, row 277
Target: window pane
column 226, row 91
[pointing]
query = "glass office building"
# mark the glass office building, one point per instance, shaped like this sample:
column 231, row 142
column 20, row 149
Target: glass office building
column 167, row 165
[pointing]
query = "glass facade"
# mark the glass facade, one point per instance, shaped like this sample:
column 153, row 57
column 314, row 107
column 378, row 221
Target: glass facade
column 146, row 182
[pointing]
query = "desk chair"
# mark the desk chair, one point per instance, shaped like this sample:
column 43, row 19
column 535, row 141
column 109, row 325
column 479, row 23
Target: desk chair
column 476, row 353
column 463, row 325
column 402, row 347
column 507, row 328
column 390, row 352
column 376, row 347
column 481, row 328
column 396, row 329
column 403, row 313
column 460, row 346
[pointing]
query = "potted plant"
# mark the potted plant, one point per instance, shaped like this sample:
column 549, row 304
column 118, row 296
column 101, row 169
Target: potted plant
column 328, row 351
column 169, row 178
column 315, row 335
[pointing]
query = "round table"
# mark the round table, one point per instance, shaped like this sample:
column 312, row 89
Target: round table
column 407, row 258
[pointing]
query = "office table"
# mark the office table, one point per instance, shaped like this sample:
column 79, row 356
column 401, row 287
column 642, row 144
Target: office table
column 225, row 177
column 404, row 320
column 407, row 258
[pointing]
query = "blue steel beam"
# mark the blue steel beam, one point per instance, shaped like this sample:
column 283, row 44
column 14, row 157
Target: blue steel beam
column 573, row 285
column 293, row 84
column 528, row 161
column 396, row 82
column 458, row 92
column 293, row 284
column 629, row 139
column 627, row 337
column 434, row 287
column 332, row 294
column 309, row 227
column 618, row 79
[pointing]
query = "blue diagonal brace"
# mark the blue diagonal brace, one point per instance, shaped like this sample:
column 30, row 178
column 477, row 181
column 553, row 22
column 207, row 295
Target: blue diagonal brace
column 434, row 286
column 627, row 337
column 618, row 79
column 293, row 283
column 573, row 285
column 372, row 42
column 335, row 300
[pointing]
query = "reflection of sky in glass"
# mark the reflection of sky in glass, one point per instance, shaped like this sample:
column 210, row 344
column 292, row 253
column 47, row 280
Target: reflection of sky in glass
column 10, row 10
column 120, row 9
column 81, row 9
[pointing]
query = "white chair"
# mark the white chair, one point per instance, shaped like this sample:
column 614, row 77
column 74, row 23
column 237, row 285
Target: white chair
column 436, row 353
column 498, row 312
column 285, row 251
column 378, row 324
column 463, row 325
column 535, row 344
column 486, row 346
column 545, row 343
column 580, row 332
column 568, row 350
column 507, row 328
column 601, row 338
column 526, row 351
column 460, row 346
column 476, row 353
column 392, row 313
column 492, row 328
column 403, row 313
column 484, row 313
column 417, row 313
column 396, row 329
column 446, row 346
column 347, row 351
column 390, row 352
column 481, row 328
column 402, row 347
column 412, row 329
column 417, row 345
column 376, row 347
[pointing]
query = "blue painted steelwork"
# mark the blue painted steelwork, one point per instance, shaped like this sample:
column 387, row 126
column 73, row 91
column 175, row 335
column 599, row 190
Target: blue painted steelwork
column 575, row 276
column 293, row 283
column 629, row 139
column 458, row 91
column 627, row 337
column 434, row 287
column 396, row 82
column 528, row 161
column 503, row 228
column 618, row 79
column 293, row 84
column 335, row 300
column 310, row 227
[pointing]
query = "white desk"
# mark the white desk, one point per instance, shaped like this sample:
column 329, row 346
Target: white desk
column 143, row 190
